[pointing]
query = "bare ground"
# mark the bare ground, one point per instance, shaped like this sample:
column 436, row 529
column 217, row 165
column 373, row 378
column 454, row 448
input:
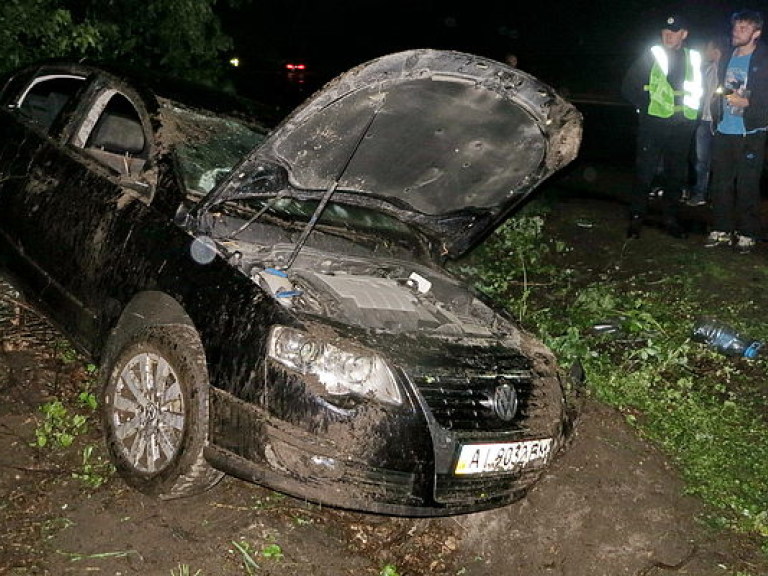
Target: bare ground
column 611, row 505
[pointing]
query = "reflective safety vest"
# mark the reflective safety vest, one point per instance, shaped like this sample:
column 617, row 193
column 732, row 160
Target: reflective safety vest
column 662, row 96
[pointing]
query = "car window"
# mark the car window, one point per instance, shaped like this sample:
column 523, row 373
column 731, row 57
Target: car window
column 113, row 134
column 45, row 98
column 206, row 148
column 334, row 214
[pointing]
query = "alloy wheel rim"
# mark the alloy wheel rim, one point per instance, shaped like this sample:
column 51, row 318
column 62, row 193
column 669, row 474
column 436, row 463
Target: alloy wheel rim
column 148, row 412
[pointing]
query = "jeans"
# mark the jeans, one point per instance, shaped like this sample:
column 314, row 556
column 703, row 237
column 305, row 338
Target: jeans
column 665, row 142
column 737, row 164
column 703, row 143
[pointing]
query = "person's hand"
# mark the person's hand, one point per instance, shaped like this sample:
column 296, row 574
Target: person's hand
column 737, row 101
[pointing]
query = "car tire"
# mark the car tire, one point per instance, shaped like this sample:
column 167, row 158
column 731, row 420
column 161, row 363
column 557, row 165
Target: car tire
column 155, row 412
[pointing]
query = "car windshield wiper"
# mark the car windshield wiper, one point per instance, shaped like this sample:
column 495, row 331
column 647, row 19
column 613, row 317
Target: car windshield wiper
column 270, row 204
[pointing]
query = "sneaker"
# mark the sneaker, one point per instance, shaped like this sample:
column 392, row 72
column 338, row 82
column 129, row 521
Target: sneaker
column 697, row 200
column 717, row 238
column 745, row 244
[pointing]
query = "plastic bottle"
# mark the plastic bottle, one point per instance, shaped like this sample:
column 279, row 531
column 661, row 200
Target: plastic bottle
column 724, row 338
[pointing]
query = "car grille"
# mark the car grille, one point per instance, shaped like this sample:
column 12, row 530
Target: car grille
column 465, row 402
column 458, row 394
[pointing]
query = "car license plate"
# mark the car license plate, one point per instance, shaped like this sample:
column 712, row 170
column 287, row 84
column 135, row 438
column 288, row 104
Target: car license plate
column 479, row 458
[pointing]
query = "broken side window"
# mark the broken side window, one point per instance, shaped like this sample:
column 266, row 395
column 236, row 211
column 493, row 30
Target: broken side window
column 113, row 134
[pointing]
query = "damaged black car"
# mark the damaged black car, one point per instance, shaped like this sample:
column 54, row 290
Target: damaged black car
column 269, row 299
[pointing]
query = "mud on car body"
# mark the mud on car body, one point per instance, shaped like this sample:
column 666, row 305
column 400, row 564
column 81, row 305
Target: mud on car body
column 270, row 301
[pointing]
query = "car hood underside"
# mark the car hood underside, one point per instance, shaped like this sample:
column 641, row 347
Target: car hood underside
column 445, row 141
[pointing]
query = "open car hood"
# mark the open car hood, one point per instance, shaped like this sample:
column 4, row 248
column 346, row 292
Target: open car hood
column 445, row 141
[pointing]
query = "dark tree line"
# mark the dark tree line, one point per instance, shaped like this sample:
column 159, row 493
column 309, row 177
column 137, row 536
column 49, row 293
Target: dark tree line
column 182, row 38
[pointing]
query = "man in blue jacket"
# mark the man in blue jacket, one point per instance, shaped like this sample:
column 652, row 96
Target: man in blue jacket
column 665, row 85
column 741, row 117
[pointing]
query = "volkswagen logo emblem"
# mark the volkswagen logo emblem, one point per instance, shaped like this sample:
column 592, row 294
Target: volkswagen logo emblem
column 505, row 402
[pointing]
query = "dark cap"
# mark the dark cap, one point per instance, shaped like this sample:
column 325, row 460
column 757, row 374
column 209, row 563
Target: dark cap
column 674, row 22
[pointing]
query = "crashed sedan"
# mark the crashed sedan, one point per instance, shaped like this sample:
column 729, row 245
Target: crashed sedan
column 269, row 299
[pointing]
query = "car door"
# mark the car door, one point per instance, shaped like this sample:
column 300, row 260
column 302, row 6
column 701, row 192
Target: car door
column 79, row 187
column 35, row 106
column 102, row 183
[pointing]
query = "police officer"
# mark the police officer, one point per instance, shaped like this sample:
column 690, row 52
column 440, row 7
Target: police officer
column 665, row 85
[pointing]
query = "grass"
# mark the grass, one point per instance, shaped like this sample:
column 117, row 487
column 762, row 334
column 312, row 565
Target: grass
column 701, row 408
column 59, row 427
column 691, row 402
column 248, row 553
column 185, row 570
column 78, row 557
column 64, row 429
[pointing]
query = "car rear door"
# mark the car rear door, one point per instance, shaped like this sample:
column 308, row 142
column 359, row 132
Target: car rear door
column 35, row 107
column 88, row 177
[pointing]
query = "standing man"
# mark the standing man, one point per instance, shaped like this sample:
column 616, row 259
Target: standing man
column 713, row 53
column 738, row 147
column 665, row 85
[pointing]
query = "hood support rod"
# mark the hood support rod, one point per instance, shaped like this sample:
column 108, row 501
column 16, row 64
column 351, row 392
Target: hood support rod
column 329, row 192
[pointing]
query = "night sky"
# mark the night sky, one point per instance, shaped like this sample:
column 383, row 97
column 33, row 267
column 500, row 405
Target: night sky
column 575, row 46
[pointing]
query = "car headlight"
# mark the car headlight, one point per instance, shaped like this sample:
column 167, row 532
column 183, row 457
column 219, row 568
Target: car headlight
column 341, row 372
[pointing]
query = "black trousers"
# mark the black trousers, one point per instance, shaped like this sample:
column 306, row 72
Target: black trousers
column 737, row 165
column 662, row 144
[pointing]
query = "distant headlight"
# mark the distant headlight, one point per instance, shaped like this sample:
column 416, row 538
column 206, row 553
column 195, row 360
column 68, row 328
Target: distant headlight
column 341, row 372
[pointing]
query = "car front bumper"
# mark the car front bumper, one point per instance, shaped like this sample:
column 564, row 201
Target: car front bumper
column 395, row 462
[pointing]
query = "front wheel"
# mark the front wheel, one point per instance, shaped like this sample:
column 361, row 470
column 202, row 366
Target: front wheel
column 155, row 401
